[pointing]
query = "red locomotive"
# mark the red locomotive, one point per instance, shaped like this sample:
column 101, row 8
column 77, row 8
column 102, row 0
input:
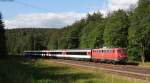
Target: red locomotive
column 110, row 54
column 103, row 54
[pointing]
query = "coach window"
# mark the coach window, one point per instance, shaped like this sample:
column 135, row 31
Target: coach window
column 83, row 53
column 77, row 53
column 55, row 52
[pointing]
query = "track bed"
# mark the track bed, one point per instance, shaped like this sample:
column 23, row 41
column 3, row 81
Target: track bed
column 124, row 70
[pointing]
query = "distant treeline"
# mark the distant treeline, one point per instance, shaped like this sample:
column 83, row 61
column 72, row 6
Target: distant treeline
column 128, row 29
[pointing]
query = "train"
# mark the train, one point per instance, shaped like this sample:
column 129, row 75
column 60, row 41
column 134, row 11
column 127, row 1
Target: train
column 113, row 55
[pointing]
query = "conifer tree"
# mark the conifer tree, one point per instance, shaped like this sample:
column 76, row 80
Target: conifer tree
column 3, row 50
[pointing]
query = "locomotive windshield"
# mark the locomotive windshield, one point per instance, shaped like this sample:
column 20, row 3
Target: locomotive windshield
column 124, row 51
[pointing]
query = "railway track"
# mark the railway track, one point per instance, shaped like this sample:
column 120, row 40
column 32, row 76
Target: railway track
column 124, row 70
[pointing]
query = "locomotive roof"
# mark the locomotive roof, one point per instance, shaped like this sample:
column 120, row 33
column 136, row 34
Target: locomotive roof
column 104, row 48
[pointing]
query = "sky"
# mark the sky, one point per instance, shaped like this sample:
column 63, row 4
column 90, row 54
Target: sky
column 54, row 13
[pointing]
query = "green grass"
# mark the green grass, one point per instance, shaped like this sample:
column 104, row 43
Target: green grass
column 19, row 70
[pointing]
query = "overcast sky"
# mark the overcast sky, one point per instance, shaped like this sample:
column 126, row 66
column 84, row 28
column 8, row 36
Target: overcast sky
column 55, row 13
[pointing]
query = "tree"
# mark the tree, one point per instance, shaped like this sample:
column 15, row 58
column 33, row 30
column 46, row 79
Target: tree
column 54, row 41
column 74, row 34
column 116, row 29
column 3, row 50
column 139, row 31
column 19, row 40
column 92, row 33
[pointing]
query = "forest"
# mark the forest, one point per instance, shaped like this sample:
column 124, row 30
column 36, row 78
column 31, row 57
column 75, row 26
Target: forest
column 127, row 29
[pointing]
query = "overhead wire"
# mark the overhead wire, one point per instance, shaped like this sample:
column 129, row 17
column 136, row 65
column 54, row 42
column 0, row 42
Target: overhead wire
column 29, row 5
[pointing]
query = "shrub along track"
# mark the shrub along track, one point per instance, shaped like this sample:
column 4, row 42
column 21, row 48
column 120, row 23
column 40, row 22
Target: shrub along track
column 123, row 70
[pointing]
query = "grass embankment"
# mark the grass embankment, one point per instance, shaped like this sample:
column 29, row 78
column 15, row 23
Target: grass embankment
column 146, row 64
column 45, row 71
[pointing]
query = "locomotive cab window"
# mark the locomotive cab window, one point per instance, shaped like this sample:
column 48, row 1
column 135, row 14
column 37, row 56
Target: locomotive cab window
column 124, row 51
